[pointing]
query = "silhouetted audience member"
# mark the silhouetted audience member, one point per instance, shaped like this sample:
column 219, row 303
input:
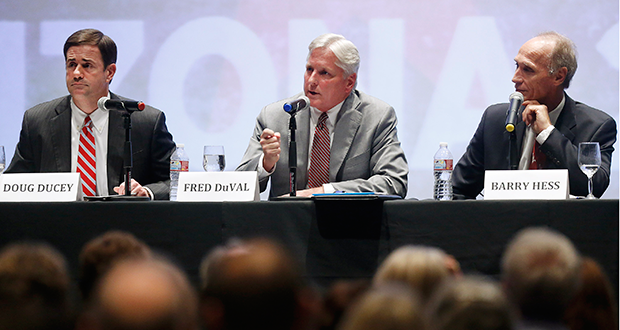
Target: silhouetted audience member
column 421, row 267
column 338, row 298
column 142, row 294
column 594, row 305
column 540, row 273
column 391, row 306
column 469, row 303
column 99, row 255
column 34, row 288
column 255, row 285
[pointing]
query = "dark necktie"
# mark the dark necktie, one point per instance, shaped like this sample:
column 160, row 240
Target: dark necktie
column 538, row 158
column 318, row 173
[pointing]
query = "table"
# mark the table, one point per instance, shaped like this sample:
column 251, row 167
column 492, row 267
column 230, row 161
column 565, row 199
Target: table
column 332, row 238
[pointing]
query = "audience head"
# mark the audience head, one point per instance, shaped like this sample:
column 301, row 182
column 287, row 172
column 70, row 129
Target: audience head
column 252, row 284
column 594, row 305
column 338, row 298
column 540, row 273
column 142, row 294
column 469, row 303
column 392, row 306
column 102, row 252
column 34, row 288
column 421, row 267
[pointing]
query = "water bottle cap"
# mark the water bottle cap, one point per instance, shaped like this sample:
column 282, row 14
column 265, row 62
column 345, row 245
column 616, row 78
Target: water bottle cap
column 443, row 144
column 180, row 145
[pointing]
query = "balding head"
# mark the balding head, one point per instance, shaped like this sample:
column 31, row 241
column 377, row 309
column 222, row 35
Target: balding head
column 145, row 295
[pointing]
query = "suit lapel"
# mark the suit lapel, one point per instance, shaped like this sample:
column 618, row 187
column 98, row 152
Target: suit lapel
column 566, row 122
column 61, row 136
column 303, row 143
column 116, row 143
column 347, row 124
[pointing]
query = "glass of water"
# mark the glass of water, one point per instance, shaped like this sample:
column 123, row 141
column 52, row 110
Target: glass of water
column 589, row 159
column 214, row 160
column 2, row 159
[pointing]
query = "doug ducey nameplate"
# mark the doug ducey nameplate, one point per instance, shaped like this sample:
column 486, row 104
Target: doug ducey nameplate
column 40, row 187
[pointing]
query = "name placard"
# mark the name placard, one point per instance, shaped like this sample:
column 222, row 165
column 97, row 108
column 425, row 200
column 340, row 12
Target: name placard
column 40, row 187
column 218, row 186
column 535, row 184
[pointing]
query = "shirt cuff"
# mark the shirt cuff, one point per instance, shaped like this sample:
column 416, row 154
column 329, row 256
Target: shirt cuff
column 262, row 173
column 149, row 192
column 328, row 188
column 544, row 134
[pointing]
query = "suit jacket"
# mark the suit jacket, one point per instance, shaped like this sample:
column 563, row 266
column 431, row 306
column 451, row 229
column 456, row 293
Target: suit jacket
column 488, row 149
column 45, row 145
column 365, row 154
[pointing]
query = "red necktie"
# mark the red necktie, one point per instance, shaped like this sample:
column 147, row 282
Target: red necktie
column 87, row 160
column 538, row 158
column 318, row 173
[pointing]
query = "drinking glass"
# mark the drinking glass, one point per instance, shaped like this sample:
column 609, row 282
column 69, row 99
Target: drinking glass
column 589, row 160
column 214, row 160
column 2, row 159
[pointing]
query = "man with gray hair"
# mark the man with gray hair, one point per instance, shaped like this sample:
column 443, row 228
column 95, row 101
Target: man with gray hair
column 551, row 123
column 540, row 273
column 347, row 140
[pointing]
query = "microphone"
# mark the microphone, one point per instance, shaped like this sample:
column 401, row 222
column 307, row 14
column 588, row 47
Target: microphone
column 298, row 105
column 516, row 99
column 110, row 104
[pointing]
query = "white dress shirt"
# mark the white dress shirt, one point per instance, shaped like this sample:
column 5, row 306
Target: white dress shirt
column 528, row 139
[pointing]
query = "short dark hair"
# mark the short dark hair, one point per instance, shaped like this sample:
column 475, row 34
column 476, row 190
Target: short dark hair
column 93, row 37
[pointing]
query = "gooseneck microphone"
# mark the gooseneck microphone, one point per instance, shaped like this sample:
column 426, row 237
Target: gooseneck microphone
column 516, row 99
column 115, row 104
column 298, row 105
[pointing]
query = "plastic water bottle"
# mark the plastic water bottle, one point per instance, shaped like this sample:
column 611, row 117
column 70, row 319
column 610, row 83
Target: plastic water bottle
column 179, row 162
column 443, row 173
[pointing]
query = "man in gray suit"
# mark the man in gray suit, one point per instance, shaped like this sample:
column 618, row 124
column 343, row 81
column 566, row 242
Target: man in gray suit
column 50, row 136
column 357, row 148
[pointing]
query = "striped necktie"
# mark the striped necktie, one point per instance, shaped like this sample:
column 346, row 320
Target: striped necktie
column 87, row 160
column 318, row 173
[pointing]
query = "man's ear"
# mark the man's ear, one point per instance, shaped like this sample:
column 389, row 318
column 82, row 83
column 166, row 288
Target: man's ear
column 351, row 79
column 109, row 72
column 560, row 76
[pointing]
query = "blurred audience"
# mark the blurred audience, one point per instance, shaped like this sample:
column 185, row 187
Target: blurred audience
column 469, row 303
column 594, row 305
column 540, row 273
column 338, row 298
column 35, row 290
column 142, row 294
column 255, row 285
column 102, row 252
column 391, row 306
column 421, row 267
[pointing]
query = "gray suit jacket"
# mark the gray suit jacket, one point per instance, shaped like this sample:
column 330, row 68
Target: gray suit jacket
column 45, row 145
column 365, row 155
column 488, row 149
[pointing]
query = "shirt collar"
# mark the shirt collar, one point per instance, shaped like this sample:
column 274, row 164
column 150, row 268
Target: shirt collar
column 331, row 113
column 98, row 117
column 555, row 113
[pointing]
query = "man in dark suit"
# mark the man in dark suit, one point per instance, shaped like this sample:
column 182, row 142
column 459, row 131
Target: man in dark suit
column 50, row 136
column 552, row 121
column 362, row 152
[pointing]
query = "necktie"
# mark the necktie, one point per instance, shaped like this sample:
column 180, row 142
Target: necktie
column 87, row 160
column 538, row 158
column 318, row 173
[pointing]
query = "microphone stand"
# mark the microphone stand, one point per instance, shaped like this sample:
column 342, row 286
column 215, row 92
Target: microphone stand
column 513, row 154
column 127, row 163
column 292, row 156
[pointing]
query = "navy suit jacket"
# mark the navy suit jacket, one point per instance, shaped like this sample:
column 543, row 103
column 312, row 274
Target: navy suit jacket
column 45, row 145
column 488, row 149
column 365, row 155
